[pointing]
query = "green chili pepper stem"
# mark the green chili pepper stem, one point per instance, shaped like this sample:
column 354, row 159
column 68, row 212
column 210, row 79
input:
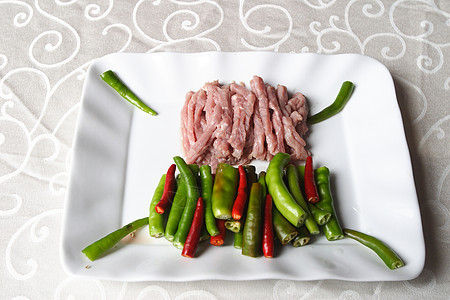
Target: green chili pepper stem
column 283, row 229
column 252, row 232
column 389, row 257
column 191, row 202
column 293, row 180
column 206, row 180
column 224, row 191
column 282, row 198
column 341, row 100
column 98, row 248
column 332, row 228
column 111, row 78
column 156, row 220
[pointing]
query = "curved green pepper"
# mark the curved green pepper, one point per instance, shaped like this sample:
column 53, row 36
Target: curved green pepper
column 282, row 198
column 332, row 229
column 389, row 257
column 320, row 216
column 111, row 78
column 341, row 100
column 294, row 187
column 156, row 220
column 224, row 191
column 191, row 202
column 178, row 204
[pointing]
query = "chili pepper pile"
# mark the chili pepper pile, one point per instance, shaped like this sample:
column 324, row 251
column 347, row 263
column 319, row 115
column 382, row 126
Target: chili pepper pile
column 258, row 209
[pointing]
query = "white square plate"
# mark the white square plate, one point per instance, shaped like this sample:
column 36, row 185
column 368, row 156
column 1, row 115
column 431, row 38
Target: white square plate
column 121, row 152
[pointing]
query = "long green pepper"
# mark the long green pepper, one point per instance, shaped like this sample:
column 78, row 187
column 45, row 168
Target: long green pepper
column 111, row 78
column 98, row 248
column 156, row 220
column 341, row 100
column 207, row 182
column 178, row 204
column 252, row 233
column 282, row 198
column 294, row 187
column 389, row 257
column 262, row 181
column 191, row 201
column 283, row 229
column 321, row 217
column 332, row 229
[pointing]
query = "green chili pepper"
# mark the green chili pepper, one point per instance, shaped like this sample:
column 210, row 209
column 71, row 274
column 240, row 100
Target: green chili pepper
column 191, row 202
column 294, row 187
column 332, row 229
column 233, row 225
column 282, row 198
column 341, row 100
column 262, row 181
column 205, row 234
column 98, row 248
column 156, row 220
column 251, row 177
column 178, row 204
column 390, row 258
column 252, row 233
column 302, row 238
column 284, row 230
column 320, row 216
column 224, row 191
column 111, row 78
column 176, row 210
column 206, row 180
column 237, row 243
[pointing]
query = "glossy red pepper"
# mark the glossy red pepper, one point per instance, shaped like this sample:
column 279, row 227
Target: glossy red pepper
column 241, row 198
column 267, row 243
column 193, row 238
column 219, row 239
column 310, row 185
column 169, row 190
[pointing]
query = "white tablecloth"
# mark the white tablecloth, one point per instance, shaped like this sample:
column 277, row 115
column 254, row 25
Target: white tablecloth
column 46, row 47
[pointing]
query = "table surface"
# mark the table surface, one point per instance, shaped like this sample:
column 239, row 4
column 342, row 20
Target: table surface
column 47, row 47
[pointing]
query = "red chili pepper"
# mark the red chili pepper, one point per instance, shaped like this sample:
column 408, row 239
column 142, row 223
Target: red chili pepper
column 310, row 185
column 169, row 191
column 191, row 243
column 267, row 243
column 241, row 198
column 220, row 238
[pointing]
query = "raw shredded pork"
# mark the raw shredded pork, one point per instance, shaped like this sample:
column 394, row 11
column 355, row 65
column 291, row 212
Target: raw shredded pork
column 233, row 124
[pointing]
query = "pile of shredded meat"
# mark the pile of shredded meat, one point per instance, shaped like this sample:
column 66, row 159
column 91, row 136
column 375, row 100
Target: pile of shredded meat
column 233, row 124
